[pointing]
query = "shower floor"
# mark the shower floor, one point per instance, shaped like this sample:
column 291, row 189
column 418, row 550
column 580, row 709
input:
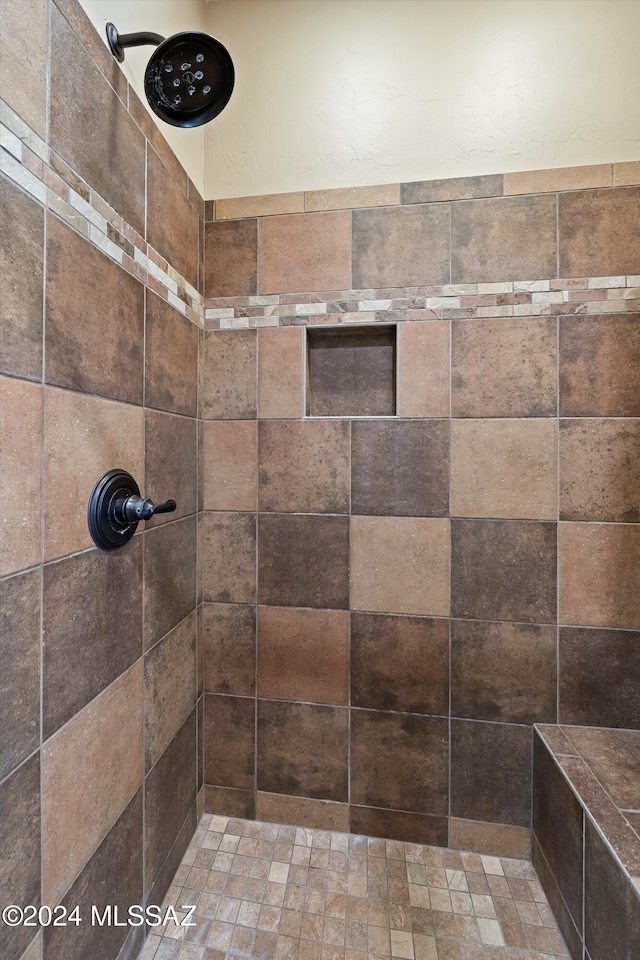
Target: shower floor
column 273, row 892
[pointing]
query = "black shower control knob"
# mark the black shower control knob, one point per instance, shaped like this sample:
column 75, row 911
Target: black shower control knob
column 136, row 508
column 116, row 507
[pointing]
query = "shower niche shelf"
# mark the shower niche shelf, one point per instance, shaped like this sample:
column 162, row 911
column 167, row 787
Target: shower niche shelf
column 351, row 371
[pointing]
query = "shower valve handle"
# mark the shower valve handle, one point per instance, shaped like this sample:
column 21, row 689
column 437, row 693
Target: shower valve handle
column 134, row 508
column 116, row 508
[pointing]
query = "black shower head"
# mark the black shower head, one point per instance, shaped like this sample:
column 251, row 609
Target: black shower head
column 189, row 78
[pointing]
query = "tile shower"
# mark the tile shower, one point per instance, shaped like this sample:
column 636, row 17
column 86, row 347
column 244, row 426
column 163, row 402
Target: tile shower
column 395, row 549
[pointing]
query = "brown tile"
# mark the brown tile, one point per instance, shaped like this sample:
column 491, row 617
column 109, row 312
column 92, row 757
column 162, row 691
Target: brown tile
column 400, row 663
column 423, row 368
column 510, row 238
column 21, row 433
column 169, row 687
column 84, row 780
column 304, row 466
column 458, row 188
column 82, row 120
column 599, row 677
column 491, row 772
column 303, row 561
column 229, row 637
column 626, row 173
column 572, row 938
column 262, row 206
column 169, row 577
column 171, row 358
column 304, row 252
column 172, row 222
column 399, row 825
column 493, row 839
column 504, row 468
column 399, row 246
column 303, row 654
column 229, row 387
column 303, row 750
column 612, row 908
column 612, row 756
column 400, row 761
column 24, row 40
column 503, row 570
column 231, row 259
column 600, row 366
column 303, row 812
column 170, row 463
column 598, row 232
column 228, row 802
column 93, row 43
column 600, row 470
column 110, row 613
column 503, row 368
column 280, row 392
column 20, row 682
column 230, row 452
column 400, row 468
column 599, row 574
column 351, row 372
column 561, row 178
column 176, row 852
column 400, row 565
column 229, row 557
column 229, row 737
column 170, row 793
column 20, row 843
column 344, row 198
column 21, row 267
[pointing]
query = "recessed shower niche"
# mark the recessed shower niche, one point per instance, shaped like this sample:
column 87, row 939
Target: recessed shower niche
column 351, row 372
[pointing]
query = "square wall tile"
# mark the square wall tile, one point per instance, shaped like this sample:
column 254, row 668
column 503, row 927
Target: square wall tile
column 401, row 246
column 600, row 470
column 171, row 460
column 171, row 358
column 303, row 750
column 400, row 565
column 503, row 671
column 20, row 466
column 304, row 466
column 400, row 467
column 504, row 570
column 503, row 368
column 303, row 655
column 24, row 40
column 169, row 577
column 599, row 574
column 20, row 845
column 400, row 761
column 230, row 464
column 231, row 258
column 600, row 366
column 20, row 680
column 600, row 677
column 504, row 468
column 229, row 741
column 280, row 366
column 229, row 389
column 172, row 222
column 351, row 372
column 611, row 906
column 303, row 252
column 229, row 641
column 598, row 232
column 229, row 557
column 303, row 561
column 400, row 663
column 424, row 367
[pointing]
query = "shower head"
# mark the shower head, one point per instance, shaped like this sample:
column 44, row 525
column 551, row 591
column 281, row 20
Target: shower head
column 189, row 78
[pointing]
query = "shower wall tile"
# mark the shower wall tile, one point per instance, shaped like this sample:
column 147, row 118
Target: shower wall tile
column 303, row 561
column 394, row 246
column 229, row 802
column 229, row 557
column 494, row 839
column 304, row 812
column 169, row 577
column 611, row 905
column 400, row 663
column 400, row 468
column 280, row 390
column 598, row 232
column 94, row 631
column 304, row 466
column 21, row 432
column 24, row 39
column 94, row 319
column 229, row 641
column 170, row 464
column 302, row 252
column 303, row 750
column 82, row 26
column 265, row 205
column 83, row 437
column 21, row 267
column 504, row 368
column 229, row 375
column 171, row 358
column 457, row 188
column 504, row 570
column 172, row 221
column 20, row 845
column 399, row 825
column 400, row 565
column 491, row 772
column 400, row 761
column 303, row 655
column 599, row 574
column 20, row 679
column 84, row 780
column 174, row 857
column 230, row 452
column 424, row 368
column 600, row 366
column 351, row 373
column 503, row 671
column 600, row 470
column 599, row 677
column 504, row 468
column 510, row 238
column 229, row 753
column 231, row 258
column 344, row 198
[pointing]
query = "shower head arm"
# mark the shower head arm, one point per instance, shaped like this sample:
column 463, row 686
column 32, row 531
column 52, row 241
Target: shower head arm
column 117, row 42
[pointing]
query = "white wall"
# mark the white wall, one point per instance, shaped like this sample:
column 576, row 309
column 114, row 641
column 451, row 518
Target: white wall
column 344, row 92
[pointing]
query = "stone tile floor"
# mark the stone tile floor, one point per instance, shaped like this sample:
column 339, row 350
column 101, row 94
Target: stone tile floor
column 271, row 892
